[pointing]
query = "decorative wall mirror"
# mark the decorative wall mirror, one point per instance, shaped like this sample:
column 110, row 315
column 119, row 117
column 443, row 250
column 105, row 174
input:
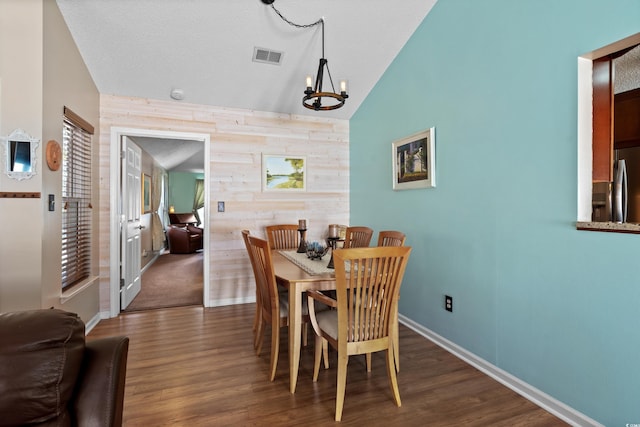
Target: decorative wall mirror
column 20, row 154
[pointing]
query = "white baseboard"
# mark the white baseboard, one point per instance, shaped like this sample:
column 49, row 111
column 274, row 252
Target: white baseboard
column 156, row 255
column 92, row 323
column 543, row 400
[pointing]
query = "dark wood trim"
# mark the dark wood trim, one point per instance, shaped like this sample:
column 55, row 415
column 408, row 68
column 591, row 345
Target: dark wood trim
column 602, row 120
column 627, row 144
column 78, row 121
column 19, row 195
column 630, row 94
column 626, row 126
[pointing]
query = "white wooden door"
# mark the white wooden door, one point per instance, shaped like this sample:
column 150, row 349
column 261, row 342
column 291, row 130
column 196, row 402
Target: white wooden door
column 130, row 222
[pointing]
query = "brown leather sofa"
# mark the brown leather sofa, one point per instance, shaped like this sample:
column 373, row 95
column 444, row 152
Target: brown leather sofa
column 51, row 376
column 184, row 240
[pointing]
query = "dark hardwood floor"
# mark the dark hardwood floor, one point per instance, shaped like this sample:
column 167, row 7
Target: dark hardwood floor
column 196, row 366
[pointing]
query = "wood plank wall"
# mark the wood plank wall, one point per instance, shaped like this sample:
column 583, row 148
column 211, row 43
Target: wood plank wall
column 238, row 138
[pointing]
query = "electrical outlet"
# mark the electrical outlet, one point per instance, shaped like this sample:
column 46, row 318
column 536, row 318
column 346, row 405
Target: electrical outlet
column 448, row 303
column 220, row 206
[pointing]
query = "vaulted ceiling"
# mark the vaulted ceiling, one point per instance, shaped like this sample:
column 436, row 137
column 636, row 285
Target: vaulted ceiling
column 147, row 48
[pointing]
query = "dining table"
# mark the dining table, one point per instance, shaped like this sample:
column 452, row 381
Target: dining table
column 297, row 273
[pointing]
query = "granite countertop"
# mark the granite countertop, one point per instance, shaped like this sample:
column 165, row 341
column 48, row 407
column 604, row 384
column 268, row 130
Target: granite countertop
column 612, row 227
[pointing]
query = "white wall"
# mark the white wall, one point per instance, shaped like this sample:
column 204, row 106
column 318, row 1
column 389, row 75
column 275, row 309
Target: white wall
column 21, row 107
column 41, row 71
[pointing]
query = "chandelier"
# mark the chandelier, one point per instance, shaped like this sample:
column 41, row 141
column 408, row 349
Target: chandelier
column 315, row 91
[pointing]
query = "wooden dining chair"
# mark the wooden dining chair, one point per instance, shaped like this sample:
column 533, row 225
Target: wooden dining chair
column 283, row 236
column 274, row 305
column 391, row 238
column 270, row 300
column 256, row 319
column 357, row 237
column 367, row 288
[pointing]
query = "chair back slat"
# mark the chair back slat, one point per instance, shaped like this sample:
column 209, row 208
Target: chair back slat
column 265, row 278
column 357, row 237
column 368, row 286
column 245, row 239
column 391, row 238
column 283, row 236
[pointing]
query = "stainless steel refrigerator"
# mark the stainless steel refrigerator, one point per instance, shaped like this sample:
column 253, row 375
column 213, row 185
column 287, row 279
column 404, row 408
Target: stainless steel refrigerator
column 619, row 201
column 626, row 186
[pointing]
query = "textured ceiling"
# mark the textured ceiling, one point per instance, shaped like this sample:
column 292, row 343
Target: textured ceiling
column 176, row 155
column 146, row 48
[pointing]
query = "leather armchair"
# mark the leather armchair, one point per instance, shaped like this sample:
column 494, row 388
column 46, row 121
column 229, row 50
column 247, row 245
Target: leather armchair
column 182, row 219
column 184, row 240
column 199, row 231
column 51, row 376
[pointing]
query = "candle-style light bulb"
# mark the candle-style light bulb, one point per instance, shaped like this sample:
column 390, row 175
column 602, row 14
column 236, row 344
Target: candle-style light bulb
column 343, row 86
column 309, row 82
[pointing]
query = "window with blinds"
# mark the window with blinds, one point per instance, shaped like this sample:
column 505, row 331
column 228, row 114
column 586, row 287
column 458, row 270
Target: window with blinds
column 76, row 199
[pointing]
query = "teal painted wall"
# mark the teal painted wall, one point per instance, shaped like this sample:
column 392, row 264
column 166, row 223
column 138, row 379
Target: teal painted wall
column 182, row 190
column 556, row 307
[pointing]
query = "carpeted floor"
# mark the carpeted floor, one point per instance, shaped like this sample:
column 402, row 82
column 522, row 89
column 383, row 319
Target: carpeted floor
column 173, row 280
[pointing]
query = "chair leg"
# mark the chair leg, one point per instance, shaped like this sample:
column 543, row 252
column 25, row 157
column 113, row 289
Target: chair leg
column 259, row 338
column 257, row 323
column 275, row 347
column 341, row 384
column 319, row 347
column 396, row 345
column 391, row 373
column 325, row 353
column 368, row 357
column 305, row 332
column 256, row 316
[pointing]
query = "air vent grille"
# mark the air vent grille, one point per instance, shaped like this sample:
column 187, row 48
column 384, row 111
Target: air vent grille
column 267, row 56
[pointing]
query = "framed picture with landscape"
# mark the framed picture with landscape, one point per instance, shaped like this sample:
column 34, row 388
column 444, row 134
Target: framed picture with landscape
column 414, row 161
column 284, row 173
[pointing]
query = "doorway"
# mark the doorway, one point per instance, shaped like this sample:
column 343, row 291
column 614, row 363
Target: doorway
column 115, row 255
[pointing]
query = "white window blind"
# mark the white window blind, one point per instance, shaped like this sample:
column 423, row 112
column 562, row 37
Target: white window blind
column 76, row 199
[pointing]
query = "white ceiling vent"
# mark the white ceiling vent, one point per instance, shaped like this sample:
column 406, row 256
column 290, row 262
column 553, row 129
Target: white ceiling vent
column 267, row 56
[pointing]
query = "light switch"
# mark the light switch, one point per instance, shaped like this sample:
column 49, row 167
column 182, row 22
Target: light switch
column 220, row 206
column 52, row 203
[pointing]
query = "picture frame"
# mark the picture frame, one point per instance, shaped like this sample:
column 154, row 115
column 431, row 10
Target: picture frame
column 413, row 160
column 284, row 173
column 146, row 193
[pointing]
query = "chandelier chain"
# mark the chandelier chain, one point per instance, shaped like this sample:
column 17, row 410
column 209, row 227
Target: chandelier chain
column 293, row 24
column 313, row 97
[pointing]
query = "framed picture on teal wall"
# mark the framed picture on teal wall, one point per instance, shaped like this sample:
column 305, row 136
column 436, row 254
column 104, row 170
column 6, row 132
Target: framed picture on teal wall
column 284, row 173
column 413, row 160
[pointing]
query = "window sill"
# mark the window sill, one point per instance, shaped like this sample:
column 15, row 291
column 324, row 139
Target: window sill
column 609, row 227
column 76, row 289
